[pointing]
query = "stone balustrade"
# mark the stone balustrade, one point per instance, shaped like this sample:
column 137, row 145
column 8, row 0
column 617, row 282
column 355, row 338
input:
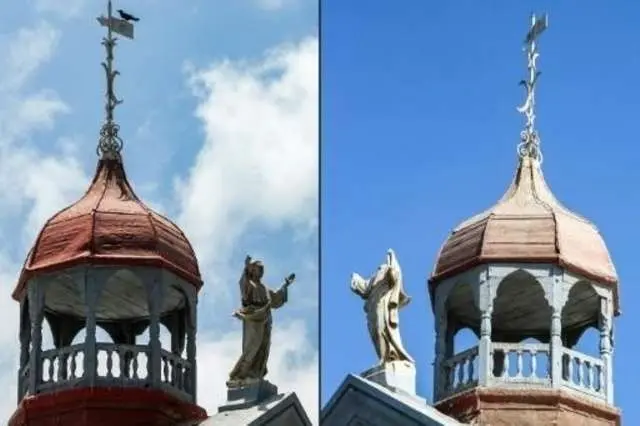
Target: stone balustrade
column 523, row 364
column 117, row 365
column 176, row 374
column 526, row 363
column 461, row 371
column 583, row 373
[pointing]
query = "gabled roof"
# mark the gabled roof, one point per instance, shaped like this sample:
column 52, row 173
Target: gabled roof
column 281, row 410
column 361, row 402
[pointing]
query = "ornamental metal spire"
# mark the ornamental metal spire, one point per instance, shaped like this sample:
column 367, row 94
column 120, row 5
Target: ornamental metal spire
column 110, row 143
column 530, row 141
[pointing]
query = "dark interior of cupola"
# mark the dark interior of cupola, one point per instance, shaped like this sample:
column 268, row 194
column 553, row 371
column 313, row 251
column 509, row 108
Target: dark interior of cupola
column 521, row 311
column 123, row 297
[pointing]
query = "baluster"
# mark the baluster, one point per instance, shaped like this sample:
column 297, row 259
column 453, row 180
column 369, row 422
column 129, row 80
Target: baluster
column 110, row 363
column 570, row 369
column 534, row 362
column 471, row 368
column 601, row 379
column 165, row 369
column 461, row 366
column 60, row 372
column 187, row 379
column 578, row 371
column 182, row 374
column 519, row 360
column 134, row 365
column 52, row 368
column 122, row 359
column 451, row 370
column 73, row 365
column 588, row 379
column 506, row 363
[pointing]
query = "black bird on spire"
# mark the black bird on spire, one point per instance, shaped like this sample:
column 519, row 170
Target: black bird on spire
column 127, row 17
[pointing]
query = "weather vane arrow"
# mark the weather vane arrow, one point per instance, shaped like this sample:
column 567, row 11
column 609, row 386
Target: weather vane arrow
column 110, row 143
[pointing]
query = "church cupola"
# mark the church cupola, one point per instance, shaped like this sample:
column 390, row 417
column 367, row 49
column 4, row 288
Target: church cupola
column 528, row 277
column 108, row 262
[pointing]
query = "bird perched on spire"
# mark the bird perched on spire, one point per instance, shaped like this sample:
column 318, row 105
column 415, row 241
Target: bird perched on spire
column 126, row 16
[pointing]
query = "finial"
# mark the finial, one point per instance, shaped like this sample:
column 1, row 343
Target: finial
column 110, row 143
column 530, row 141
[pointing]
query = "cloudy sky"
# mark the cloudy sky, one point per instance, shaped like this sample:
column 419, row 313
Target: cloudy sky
column 220, row 128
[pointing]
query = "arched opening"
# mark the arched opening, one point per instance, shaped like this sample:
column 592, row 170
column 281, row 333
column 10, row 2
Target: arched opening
column 520, row 309
column 463, row 325
column 520, row 328
column 582, row 365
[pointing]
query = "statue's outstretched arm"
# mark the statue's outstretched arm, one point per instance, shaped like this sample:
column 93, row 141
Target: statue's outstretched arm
column 360, row 286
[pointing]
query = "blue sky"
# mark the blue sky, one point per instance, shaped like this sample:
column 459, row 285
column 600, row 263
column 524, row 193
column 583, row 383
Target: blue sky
column 419, row 132
column 219, row 99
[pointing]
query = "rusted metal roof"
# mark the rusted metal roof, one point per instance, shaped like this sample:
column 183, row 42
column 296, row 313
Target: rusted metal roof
column 527, row 225
column 110, row 225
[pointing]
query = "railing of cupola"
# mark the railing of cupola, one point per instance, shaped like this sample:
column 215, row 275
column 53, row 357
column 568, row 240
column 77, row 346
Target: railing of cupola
column 524, row 364
column 117, row 365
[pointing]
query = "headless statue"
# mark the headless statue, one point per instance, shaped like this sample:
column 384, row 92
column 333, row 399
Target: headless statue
column 384, row 295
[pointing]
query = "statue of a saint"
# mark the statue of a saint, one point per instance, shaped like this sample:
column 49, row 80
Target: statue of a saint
column 257, row 302
column 384, row 295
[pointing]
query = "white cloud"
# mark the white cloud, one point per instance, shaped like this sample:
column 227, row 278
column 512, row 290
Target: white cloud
column 34, row 184
column 259, row 164
column 24, row 53
column 257, row 167
column 274, row 4
column 62, row 8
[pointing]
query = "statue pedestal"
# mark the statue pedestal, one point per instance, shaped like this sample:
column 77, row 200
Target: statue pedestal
column 398, row 376
column 248, row 394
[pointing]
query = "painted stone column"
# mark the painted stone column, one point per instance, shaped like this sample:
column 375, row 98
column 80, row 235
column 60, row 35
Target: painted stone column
column 25, row 340
column 556, row 348
column 485, row 357
column 155, row 296
column 192, row 327
column 36, row 316
column 557, row 301
column 606, row 378
column 439, row 374
column 93, row 282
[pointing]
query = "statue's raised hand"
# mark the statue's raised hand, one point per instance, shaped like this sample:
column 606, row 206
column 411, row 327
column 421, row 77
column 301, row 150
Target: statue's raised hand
column 289, row 280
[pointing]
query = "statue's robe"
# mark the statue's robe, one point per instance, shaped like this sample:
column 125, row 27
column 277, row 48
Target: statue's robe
column 384, row 296
column 257, row 303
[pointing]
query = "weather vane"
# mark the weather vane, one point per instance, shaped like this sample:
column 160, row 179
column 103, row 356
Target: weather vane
column 110, row 143
column 530, row 142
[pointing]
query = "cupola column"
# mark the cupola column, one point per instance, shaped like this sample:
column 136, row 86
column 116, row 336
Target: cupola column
column 192, row 326
column 155, row 296
column 557, row 297
column 606, row 337
column 485, row 302
column 36, row 316
column 439, row 375
column 25, row 339
column 93, row 284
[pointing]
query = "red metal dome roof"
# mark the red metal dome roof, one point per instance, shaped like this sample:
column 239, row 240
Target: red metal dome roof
column 110, row 225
